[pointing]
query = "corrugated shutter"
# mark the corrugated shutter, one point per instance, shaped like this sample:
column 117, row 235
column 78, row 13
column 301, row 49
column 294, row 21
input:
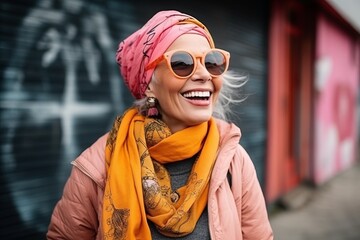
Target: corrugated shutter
column 60, row 90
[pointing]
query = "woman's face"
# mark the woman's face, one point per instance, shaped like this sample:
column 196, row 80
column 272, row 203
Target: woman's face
column 177, row 109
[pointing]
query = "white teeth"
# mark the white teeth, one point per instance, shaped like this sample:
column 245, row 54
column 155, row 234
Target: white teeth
column 197, row 94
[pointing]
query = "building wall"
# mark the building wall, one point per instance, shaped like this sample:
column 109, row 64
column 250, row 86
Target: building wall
column 336, row 91
column 61, row 89
column 313, row 88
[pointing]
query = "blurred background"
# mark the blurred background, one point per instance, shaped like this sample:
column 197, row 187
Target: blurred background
column 60, row 90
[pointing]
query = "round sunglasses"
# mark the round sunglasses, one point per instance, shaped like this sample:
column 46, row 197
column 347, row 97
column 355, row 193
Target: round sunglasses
column 183, row 64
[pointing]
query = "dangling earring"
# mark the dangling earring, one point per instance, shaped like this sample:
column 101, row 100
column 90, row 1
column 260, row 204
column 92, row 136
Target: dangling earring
column 152, row 111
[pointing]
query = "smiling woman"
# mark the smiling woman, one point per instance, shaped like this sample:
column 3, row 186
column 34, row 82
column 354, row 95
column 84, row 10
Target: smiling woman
column 178, row 111
column 162, row 170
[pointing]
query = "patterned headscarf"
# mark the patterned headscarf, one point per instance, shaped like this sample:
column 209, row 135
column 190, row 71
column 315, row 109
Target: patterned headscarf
column 150, row 42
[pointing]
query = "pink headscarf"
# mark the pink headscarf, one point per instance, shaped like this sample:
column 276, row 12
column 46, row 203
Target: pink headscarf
column 149, row 43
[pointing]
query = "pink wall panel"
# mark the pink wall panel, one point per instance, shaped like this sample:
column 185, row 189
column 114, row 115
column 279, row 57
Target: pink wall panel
column 336, row 91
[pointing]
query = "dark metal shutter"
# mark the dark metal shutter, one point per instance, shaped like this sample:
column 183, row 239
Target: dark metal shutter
column 60, row 89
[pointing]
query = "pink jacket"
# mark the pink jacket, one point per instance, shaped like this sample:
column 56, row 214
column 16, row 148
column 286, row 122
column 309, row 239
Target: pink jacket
column 77, row 215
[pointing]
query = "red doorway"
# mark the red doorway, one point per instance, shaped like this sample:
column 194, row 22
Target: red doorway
column 290, row 94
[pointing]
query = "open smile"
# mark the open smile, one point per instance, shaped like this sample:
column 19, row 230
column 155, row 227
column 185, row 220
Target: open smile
column 197, row 95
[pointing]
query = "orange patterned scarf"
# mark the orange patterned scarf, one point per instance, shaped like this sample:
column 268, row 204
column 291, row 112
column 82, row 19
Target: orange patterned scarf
column 138, row 187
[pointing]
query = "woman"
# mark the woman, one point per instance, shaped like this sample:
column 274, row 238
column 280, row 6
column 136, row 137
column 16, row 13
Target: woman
column 168, row 168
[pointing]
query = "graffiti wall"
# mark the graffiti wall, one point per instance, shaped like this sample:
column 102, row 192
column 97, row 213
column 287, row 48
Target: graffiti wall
column 336, row 92
column 60, row 90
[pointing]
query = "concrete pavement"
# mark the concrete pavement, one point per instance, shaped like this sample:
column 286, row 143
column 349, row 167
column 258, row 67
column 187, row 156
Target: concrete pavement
column 331, row 213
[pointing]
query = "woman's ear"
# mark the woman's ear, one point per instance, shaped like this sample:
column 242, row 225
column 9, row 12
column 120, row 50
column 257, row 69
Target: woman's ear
column 148, row 91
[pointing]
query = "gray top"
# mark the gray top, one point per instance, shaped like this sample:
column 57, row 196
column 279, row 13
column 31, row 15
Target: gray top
column 179, row 172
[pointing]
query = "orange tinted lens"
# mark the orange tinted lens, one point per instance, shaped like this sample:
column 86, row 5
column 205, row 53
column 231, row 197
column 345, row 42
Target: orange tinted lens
column 182, row 63
column 215, row 62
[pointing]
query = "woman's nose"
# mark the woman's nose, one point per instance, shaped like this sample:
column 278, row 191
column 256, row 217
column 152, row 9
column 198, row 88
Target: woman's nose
column 201, row 73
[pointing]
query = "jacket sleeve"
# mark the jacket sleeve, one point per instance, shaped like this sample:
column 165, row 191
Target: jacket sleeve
column 254, row 216
column 75, row 214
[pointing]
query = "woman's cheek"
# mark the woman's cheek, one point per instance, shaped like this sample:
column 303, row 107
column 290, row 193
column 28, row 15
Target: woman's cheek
column 217, row 84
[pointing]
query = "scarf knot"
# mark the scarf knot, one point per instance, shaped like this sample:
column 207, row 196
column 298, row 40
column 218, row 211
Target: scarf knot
column 155, row 131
